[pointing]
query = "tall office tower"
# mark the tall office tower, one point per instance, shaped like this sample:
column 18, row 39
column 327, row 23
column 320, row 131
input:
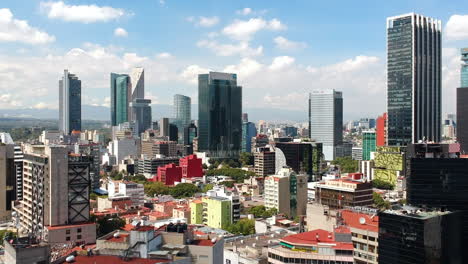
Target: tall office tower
column 19, row 172
column 301, row 157
column 7, row 180
column 368, row 144
column 413, row 235
column 190, row 132
column 462, row 105
column 182, row 111
column 245, row 117
column 248, row 132
column 381, row 130
column 137, row 79
column 326, row 120
column 413, row 79
column 219, row 114
column 69, row 103
column 437, row 178
column 141, row 114
column 264, row 162
column 120, row 98
column 55, row 205
column 164, row 127
column 173, row 133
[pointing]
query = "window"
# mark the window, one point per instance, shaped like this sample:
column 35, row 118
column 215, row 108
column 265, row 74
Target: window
column 79, row 230
column 78, row 237
column 68, row 239
column 67, row 231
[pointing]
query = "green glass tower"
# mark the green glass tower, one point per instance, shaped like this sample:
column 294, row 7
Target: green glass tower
column 120, row 98
column 219, row 114
column 368, row 144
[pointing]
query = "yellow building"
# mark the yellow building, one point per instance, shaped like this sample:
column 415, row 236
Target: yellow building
column 216, row 212
column 196, row 211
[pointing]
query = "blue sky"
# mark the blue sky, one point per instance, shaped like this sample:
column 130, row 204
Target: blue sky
column 280, row 49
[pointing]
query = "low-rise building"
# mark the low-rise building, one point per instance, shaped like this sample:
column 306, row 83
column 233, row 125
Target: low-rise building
column 169, row 175
column 127, row 188
column 25, row 251
column 232, row 196
column 191, row 166
column 316, row 246
column 264, row 161
column 343, row 192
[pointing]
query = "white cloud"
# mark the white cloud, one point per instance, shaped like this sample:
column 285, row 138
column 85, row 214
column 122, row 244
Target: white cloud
column 247, row 67
column 285, row 44
column 353, row 64
column 164, row 55
column 282, row 62
column 190, row 74
column 242, row 48
column 120, row 32
column 208, row 21
column 245, row 29
column 457, row 27
column 81, row 13
column 245, row 11
column 15, row 30
column 43, row 105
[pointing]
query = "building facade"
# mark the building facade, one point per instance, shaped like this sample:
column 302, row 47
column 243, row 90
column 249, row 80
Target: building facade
column 343, row 192
column 69, row 103
column 219, row 114
column 414, row 75
column 182, row 111
column 368, row 144
column 326, row 120
column 141, row 114
column 248, row 132
column 119, row 84
column 264, row 162
column 381, row 131
column 7, row 180
column 462, row 106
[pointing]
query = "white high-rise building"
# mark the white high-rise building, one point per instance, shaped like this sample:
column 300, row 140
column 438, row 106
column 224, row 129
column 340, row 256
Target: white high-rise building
column 137, row 79
column 326, row 120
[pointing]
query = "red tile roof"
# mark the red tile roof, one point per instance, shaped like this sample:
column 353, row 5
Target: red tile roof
column 351, row 219
column 115, row 260
column 68, row 226
column 203, row 242
column 143, row 228
column 314, row 237
column 118, row 239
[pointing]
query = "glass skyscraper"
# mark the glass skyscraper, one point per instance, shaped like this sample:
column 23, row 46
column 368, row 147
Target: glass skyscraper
column 69, row 103
column 368, row 144
column 413, row 79
column 462, row 106
column 326, row 120
column 182, row 111
column 120, row 95
column 141, row 114
column 219, row 114
column 248, row 132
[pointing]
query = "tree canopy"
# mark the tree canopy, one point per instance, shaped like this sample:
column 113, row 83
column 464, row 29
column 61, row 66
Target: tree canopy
column 242, row 227
column 379, row 202
column 380, row 184
column 238, row 175
column 346, row 164
column 246, row 158
column 261, row 211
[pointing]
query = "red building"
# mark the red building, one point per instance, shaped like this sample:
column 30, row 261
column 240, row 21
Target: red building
column 191, row 166
column 169, row 174
column 381, row 130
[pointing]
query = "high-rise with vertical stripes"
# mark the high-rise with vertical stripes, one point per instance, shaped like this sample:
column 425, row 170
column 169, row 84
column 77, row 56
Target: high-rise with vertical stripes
column 413, row 79
column 69, row 103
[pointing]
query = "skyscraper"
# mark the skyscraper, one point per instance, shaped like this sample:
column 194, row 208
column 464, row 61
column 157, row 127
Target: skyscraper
column 141, row 114
column 248, row 132
column 137, row 78
column 462, row 106
column 120, row 84
column 368, row 144
column 413, row 79
column 69, row 103
column 219, row 114
column 182, row 111
column 326, row 120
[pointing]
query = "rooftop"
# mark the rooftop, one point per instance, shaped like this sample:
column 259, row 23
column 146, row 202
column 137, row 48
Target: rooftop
column 360, row 220
column 415, row 212
column 115, row 260
column 316, row 237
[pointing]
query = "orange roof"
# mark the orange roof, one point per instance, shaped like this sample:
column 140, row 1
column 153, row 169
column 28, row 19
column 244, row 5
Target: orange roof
column 203, row 242
column 119, row 239
column 115, row 260
column 351, row 219
column 312, row 238
column 143, row 228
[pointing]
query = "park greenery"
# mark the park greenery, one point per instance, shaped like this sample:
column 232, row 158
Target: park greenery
column 242, row 227
column 181, row 190
column 379, row 202
column 261, row 211
column 246, row 159
column 381, row 184
column 346, row 164
column 207, row 187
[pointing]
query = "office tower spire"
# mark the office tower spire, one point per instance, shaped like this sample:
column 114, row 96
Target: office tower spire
column 413, row 79
column 69, row 103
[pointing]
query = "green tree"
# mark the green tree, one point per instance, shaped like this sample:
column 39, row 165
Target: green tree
column 207, row 187
column 346, row 164
column 380, row 184
column 379, row 202
column 246, row 158
column 105, row 225
column 228, row 184
column 183, row 190
column 261, row 211
column 242, row 227
column 139, row 178
column 6, row 234
column 155, row 188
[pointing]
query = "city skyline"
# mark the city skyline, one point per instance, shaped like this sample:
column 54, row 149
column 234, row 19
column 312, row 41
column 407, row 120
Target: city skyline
column 254, row 41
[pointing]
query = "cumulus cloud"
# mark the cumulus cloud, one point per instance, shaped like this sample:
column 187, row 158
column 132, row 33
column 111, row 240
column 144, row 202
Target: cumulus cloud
column 244, row 11
column 15, row 30
column 282, row 62
column 164, row 55
column 246, row 68
column 285, row 44
column 190, row 74
column 456, row 27
column 244, row 29
column 242, row 48
column 120, row 32
column 81, row 13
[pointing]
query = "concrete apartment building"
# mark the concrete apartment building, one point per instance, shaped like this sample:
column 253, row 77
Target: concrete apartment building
column 343, row 192
column 7, row 180
column 55, row 206
column 135, row 191
column 222, row 191
column 264, row 162
column 286, row 192
column 215, row 212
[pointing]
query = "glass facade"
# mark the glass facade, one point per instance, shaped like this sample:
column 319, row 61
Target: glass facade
column 69, row 103
column 120, row 93
column 219, row 114
column 248, row 132
column 462, row 106
column 141, row 114
column 413, row 79
column 464, row 68
column 182, row 111
column 368, row 144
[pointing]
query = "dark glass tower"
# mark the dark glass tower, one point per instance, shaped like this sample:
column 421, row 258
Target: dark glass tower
column 141, row 114
column 462, row 105
column 70, row 103
column 413, row 79
column 120, row 98
column 219, row 114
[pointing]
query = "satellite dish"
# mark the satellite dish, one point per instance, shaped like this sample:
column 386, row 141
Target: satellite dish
column 362, row 220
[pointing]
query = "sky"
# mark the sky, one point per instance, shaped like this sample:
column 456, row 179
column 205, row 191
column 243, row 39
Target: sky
column 281, row 50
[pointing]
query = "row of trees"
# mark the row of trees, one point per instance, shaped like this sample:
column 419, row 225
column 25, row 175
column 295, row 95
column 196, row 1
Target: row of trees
column 238, row 175
column 181, row 190
column 346, row 164
column 242, row 227
column 261, row 211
